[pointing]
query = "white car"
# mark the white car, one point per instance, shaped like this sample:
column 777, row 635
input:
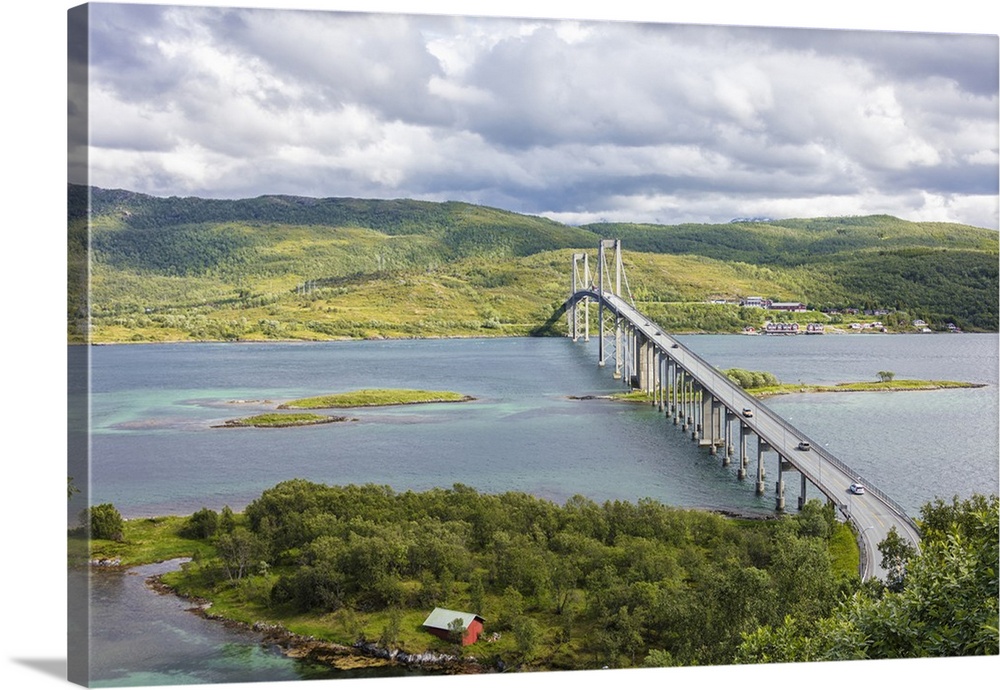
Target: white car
column 857, row 488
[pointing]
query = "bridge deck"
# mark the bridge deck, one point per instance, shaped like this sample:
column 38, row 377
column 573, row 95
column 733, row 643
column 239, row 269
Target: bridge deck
column 873, row 513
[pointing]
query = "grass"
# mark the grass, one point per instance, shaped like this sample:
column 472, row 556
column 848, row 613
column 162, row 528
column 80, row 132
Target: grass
column 844, row 554
column 144, row 540
column 280, row 420
column 374, row 397
column 860, row 386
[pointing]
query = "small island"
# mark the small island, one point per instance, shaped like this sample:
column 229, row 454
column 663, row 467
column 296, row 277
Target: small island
column 271, row 420
column 374, row 397
column 762, row 384
column 860, row 386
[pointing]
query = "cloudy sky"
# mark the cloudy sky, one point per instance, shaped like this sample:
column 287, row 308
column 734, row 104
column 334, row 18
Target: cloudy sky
column 575, row 120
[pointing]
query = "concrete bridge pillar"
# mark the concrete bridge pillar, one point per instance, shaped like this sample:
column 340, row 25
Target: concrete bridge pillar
column 714, row 424
column 658, row 385
column 698, row 414
column 762, row 447
column 802, row 491
column 779, row 487
column 742, row 472
column 685, row 420
column 727, row 439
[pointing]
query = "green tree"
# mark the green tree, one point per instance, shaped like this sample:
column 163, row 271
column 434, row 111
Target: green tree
column 390, row 633
column 946, row 605
column 886, row 376
column 456, row 631
column 239, row 550
column 105, row 522
column 201, row 525
column 227, row 521
column 896, row 554
column 477, row 593
column 529, row 638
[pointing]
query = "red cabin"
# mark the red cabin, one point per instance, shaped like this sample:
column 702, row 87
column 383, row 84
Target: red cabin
column 441, row 622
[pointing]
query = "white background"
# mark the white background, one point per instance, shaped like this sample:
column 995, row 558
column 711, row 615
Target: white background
column 33, row 250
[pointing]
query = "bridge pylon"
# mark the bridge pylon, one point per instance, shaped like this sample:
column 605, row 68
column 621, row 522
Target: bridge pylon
column 578, row 315
column 611, row 328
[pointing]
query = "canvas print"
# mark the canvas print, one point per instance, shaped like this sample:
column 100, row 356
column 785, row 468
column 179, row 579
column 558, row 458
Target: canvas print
column 409, row 345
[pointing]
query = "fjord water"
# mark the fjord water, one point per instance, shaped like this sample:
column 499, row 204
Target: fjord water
column 155, row 450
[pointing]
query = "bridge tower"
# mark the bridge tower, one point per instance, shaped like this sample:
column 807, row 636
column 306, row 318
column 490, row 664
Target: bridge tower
column 579, row 313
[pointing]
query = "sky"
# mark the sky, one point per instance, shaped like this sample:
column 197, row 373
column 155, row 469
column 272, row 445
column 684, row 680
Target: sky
column 578, row 120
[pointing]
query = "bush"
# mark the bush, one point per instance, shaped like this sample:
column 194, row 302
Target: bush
column 751, row 379
column 105, row 522
column 201, row 525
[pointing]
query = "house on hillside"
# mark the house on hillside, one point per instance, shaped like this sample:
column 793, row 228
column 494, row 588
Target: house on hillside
column 788, row 306
column 441, row 623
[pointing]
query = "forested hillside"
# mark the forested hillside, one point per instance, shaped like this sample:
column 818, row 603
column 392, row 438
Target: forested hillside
column 282, row 267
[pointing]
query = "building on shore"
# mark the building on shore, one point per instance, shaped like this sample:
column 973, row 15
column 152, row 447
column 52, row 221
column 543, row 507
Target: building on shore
column 444, row 623
column 772, row 328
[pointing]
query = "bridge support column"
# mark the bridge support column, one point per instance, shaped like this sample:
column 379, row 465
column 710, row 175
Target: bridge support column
column 697, row 396
column 673, row 389
column 727, row 439
column 779, row 487
column 762, row 447
column 683, row 400
column 714, row 408
column 802, row 491
column 661, row 377
column 742, row 472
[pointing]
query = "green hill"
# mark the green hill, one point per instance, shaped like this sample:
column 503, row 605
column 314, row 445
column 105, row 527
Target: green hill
column 280, row 267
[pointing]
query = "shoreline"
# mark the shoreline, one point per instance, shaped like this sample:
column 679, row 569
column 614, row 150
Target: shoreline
column 287, row 341
column 332, row 654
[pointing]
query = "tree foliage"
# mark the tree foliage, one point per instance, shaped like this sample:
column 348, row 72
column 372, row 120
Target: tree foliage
column 944, row 605
column 104, row 521
column 620, row 579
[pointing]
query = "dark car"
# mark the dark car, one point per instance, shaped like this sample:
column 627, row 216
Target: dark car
column 804, row 445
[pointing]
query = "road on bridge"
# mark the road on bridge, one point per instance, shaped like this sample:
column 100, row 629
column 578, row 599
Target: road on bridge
column 873, row 513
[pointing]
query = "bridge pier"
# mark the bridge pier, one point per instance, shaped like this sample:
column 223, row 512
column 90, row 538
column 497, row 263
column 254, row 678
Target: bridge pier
column 742, row 472
column 697, row 395
column 802, row 491
column 779, row 487
column 762, row 447
column 727, row 459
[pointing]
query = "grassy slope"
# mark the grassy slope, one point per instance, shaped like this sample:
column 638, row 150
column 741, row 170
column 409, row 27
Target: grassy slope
column 287, row 268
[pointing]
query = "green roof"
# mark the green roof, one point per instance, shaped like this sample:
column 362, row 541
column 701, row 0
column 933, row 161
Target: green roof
column 442, row 618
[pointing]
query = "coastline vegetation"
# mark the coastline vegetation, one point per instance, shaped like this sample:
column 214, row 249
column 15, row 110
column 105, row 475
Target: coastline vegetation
column 374, row 397
column 777, row 388
column 279, row 420
column 581, row 585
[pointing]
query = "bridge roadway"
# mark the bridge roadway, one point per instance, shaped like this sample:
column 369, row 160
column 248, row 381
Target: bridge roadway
column 873, row 513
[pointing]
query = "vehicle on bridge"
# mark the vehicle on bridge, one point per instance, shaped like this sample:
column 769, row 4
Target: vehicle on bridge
column 747, row 412
column 805, row 445
column 857, row 488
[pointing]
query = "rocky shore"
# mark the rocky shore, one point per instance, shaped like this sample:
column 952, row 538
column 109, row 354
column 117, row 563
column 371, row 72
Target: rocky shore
column 344, row 657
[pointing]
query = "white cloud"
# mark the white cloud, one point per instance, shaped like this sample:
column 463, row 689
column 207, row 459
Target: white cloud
column 570, row 118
